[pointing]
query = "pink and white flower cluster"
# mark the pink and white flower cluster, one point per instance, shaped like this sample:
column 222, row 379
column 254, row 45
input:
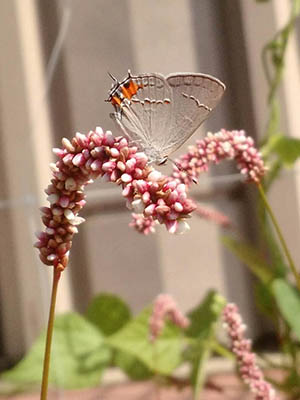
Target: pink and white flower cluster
column 165, row 306
column 230, row 145
column 99, row 153
column 153, row 197
column 251, row 374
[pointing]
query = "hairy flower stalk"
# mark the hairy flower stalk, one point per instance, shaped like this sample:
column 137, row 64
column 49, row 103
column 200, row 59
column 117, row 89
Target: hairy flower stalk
column 213, row 215
column 251, row 374
column 83, row 159
column 165, row 307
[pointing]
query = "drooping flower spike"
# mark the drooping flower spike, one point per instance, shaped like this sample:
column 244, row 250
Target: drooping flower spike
column 250, row 372
column 153, row 197
column 83, row 159
column 230, row 145
column 165, row 307
column 223, row 145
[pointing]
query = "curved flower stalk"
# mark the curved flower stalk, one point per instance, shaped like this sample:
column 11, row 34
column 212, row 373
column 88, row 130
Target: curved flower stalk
column 165, row 306
column 251, row 374
column 83, row 159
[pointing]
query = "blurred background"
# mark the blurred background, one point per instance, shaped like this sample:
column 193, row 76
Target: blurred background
column 54, row 59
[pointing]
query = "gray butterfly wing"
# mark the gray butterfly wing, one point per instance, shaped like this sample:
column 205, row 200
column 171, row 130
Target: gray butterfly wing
column 194, row 97
column 145, row 118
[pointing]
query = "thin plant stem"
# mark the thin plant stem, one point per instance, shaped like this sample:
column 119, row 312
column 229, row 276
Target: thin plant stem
column 44, row 388
column 280, row 235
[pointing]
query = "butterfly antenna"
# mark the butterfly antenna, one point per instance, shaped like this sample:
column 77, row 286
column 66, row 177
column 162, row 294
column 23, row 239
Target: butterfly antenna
column 181, row 169
column 175, row 164
column 112, row 77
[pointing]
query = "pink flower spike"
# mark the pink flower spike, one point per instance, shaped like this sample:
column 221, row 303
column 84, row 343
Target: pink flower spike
column 85, row 157
column 250, row 372
column 216, row 147
column 164, row 306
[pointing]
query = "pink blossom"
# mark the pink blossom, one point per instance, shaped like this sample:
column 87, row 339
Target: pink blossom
column 83, row 159
column 230, row 145
column 216, row 147
column 251, row 374
column 164, row 306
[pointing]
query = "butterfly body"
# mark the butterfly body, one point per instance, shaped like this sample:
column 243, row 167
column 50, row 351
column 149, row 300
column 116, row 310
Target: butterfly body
column 160, row 113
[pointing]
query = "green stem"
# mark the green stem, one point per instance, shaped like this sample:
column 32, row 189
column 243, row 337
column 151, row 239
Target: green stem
column 44, row 388
column 273, row 62
column 280, row 236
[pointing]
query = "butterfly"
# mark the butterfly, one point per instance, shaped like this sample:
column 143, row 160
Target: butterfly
column 158, row 113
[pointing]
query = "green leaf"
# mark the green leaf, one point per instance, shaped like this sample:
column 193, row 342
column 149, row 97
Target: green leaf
column 203, row 325
column 288, row 301
column 251, row 257
column 78, row 356
column 133, row 368
column 203, row 317
column 161, row 357
column 265, row 300
column 287, row 148
column 108, row 313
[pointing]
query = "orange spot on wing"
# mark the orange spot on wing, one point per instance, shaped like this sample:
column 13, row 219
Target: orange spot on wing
column 130, row 89
column 116, row 100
